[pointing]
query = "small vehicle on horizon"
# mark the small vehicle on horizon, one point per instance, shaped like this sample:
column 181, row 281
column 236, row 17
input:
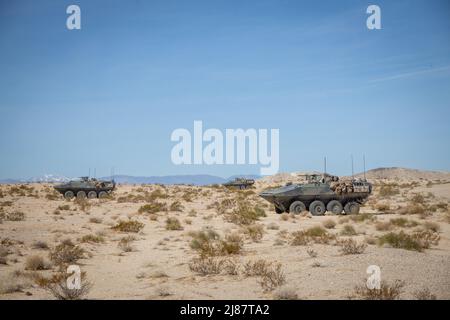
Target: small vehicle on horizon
column 86, row 187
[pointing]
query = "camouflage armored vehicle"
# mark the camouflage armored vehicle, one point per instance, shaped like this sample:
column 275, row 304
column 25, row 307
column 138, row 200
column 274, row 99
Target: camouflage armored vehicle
column 240, row 183
column 319, row 194
column 86, row 187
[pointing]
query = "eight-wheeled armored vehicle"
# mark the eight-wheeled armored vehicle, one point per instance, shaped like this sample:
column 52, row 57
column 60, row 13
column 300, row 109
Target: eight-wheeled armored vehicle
column 86, row 187
column 240, row 183
column 319, row 194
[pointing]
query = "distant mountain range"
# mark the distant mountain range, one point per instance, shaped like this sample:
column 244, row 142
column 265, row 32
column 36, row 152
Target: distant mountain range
column 200, row 179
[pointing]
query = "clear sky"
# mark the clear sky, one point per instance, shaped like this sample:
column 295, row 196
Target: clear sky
column 110, row 94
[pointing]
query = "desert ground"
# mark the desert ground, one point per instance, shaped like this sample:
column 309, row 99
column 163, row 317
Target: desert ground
column 189, row 242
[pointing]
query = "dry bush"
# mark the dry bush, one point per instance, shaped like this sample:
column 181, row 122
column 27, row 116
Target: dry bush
column 64, row 207
column 404, row 223
column 40, row 245
column 418, row 199
column 350, row 246
column 92, row 238
column 125, row 244
column 15, row 216
column 95, row 220
column 57, row 286
column 244, row 214
column 431, row 226
column 256, row 268
column 348, row 230
column 387, row 291
column 273, row 277
column 285, row 293
column 176, row 206
column 418, row 241
column 383, row 226
column 312, row 253
column 206, row 265
column 66, row 253
column 15, row 281
column 273, row 226
column 254, row 231
column 412, row 209
column 128, row 226
column 312, row 235
column 232, row 244
column 36, row 263
column 83, row 204
column 329, row 224
column 388, row 190
column 362, row 217
column 231, row 267
column 173, row 224
column 153, row 207
column 424, row 294
column 382, row 206
column 208, row 243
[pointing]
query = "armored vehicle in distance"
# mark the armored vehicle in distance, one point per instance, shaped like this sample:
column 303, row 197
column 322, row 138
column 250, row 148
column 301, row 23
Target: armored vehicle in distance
column 240, row 183
column 319, row 194
column 86, row 187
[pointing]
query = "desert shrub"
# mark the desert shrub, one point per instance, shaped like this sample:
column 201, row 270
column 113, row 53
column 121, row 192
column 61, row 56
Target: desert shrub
column 244, row 214
column 57, row 286
column 36, row 263
column 232, row 244
column 285, row 293
column 329, row 224
column 83, row 204
column 256, row 268
column 205, row 242
column 206, row 265
column 418, row 199
column 424, row 294
column 388, row 190
column 431, row 226
column 153, row 207
column 348, row 230
column 273, row 277
column 350, row 246
column 382, row 206
column 128, row 226
column 404, row 223
column 231, row 267
column 95, row 220
column 16, row 216
column 412, row 209
column 125, row 244
column 92, row 238
column 176, row 206
column 173, row 224
column 314, row 234
column 312, row 253
column 387, row 291
column 40, row 245
column 64, row 207
column 383, row 226
column 14, row 282
column 65, row 253
column 418, row 241
column 362, row 217
column 273, row 226
column 254, row 231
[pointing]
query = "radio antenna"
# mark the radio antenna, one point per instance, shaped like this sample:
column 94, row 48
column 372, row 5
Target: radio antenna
column 352, row 166
column 325, row 165
column 89, row 175
column 364, row 163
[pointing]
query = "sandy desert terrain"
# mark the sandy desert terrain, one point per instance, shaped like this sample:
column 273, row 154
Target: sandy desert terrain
column 187, row 242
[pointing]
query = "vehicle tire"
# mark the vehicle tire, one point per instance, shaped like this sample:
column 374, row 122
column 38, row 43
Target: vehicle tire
column 334, row 207
column 102, row 194
column 351, row 208
column 297, row 207
column 92, row 195
column 279, row 211
column 69, row 195
column 81, row 195
column 317, row 208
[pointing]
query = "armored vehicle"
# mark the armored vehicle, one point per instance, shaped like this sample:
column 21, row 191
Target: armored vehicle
column 86, row 187
column 240, row 183
column 319, row 194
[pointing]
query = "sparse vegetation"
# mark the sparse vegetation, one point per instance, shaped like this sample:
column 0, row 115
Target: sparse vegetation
column 348, row 230
column 65, row 253
column 418, row 241
column 329, row 224
column 92, row 238
column 153, row 207
column 387, row 291
column 173, row 224
column 244, row 214
column 128, row 226
column 36, row 263
column 176, row 206
column 254, row 231
column 350, row 246
column 125, row 244
column 312, row 235
column 15, row 216
column 208, row 243
column 57, row 286
column 424, row 294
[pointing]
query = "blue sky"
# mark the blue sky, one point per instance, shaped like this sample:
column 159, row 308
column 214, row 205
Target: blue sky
column 110, row 94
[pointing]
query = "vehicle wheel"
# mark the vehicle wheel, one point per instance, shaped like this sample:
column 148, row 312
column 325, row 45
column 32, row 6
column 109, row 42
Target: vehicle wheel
column 334, row 206
column 81, row 195
column 102, row 194
column 317, row 208
column 279, row 211
column 69, row 195
column 297, row 207
column 351, row 208
column 92, row 195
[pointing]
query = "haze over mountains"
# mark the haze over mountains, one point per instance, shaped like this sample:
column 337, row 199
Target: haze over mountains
column 204, row 179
